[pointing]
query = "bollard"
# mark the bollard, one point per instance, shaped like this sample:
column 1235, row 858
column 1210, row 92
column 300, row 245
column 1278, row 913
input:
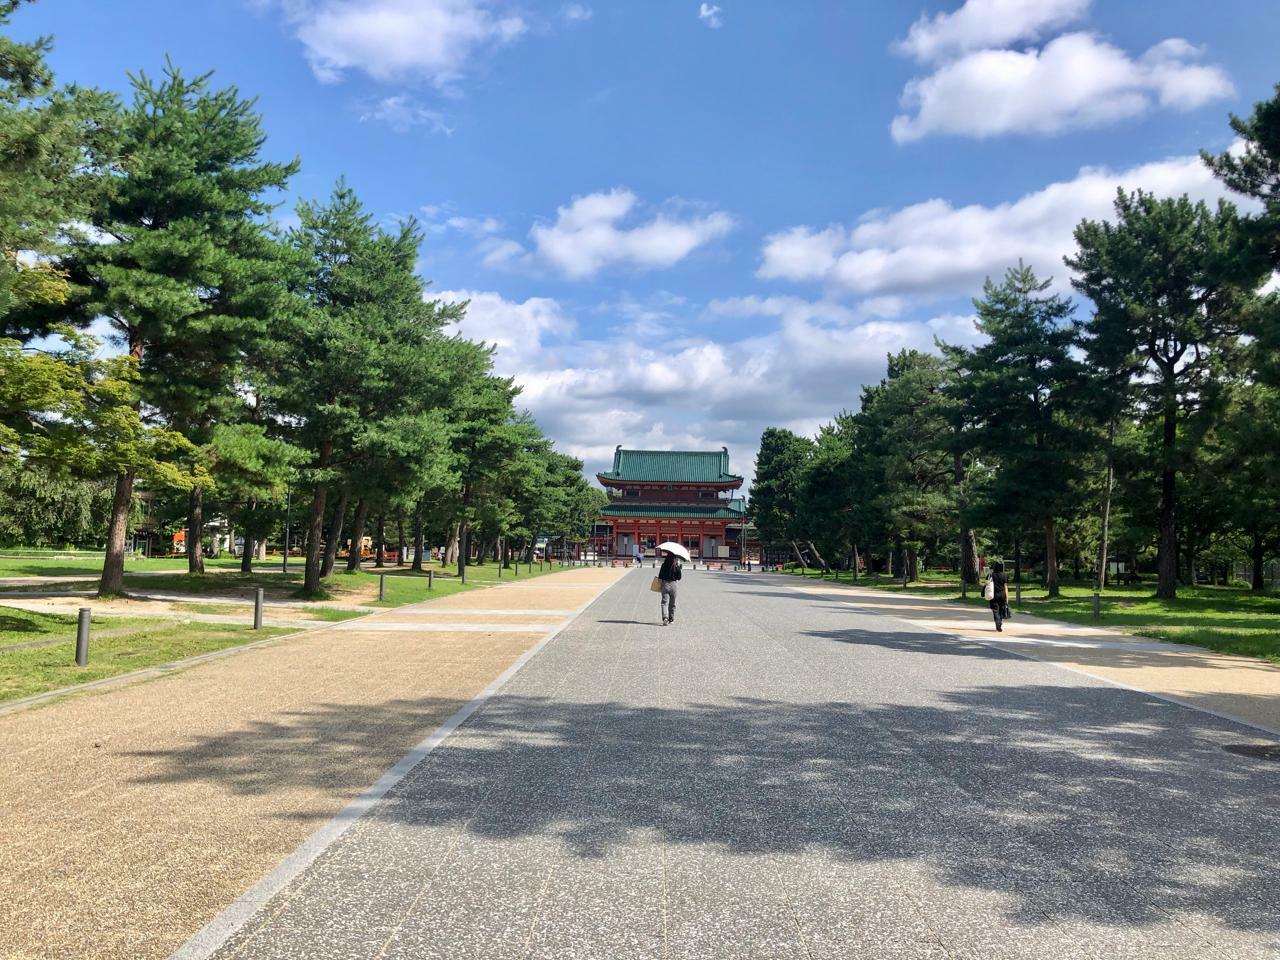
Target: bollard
column 499, row 569
column 964, row 589
column 382, row 586
column 82, row 636
column 431, row 579
column 463, row 570
column 257, row 609
column 1097, row 606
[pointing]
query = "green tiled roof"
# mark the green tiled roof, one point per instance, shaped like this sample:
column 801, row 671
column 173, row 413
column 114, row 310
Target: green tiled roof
column 724, row 510
column 671, row 466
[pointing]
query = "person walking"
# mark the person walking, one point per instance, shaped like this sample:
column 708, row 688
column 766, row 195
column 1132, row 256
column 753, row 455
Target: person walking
column 669, row 575
column 996, row 592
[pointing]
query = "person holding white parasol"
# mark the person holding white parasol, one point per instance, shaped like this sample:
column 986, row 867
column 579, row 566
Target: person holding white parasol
column 668, row 575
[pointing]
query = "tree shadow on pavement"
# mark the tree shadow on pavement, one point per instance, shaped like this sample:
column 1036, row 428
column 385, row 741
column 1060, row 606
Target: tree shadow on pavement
column 1075, row 802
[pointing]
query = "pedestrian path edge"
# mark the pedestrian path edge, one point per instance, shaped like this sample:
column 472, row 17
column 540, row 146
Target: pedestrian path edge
column 224, row 926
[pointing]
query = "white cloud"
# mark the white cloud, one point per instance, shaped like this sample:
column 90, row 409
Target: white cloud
column 475, row 226
column 935, row 249
column 709, row 14
column 591, row 233
column 655, row 389
column 397, row 39
column 988, row 23
column 402, row 113
column 575, row 12
column 983, row 84
column 1075, row 81
column 516, row 329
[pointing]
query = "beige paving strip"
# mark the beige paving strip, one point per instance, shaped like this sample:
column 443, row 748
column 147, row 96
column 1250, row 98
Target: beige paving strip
column 131, row 817
column 1234, row 688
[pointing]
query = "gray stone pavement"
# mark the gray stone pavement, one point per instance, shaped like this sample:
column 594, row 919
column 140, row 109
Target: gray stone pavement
column 777, row 775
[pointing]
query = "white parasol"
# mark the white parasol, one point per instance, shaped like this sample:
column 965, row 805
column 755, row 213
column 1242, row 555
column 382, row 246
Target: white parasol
column 672, row 547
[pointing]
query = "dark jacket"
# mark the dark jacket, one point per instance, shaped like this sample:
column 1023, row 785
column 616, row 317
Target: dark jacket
column 670, row 569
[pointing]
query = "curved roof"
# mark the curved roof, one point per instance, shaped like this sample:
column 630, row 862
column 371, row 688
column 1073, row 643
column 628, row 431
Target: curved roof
column 724, row 510
column 670, row 466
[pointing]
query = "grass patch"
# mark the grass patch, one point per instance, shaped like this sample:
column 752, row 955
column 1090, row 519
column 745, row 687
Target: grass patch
column 406, row 586
column 330, row 615
column 1227, row 619
column 125, row 644
column 90, row 565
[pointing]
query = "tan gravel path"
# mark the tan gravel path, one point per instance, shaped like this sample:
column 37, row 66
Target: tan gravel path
column 129, row 818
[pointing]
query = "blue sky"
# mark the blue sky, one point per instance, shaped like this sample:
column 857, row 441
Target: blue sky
column 681, row 222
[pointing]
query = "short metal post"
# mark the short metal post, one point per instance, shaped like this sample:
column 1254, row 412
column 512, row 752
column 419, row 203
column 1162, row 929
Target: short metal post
column 257, row 609
column 1097, row 606
column 964, row 589
column 431, row 579
column 499, row 569
column 82, row 636
column 382, row 586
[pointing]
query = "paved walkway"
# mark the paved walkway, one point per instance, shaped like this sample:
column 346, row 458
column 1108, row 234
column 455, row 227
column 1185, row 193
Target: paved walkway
column 780, row 774
column 1239, row 687
column 130, row 818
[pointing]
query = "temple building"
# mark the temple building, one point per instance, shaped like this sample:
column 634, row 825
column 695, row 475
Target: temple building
column 685, row 496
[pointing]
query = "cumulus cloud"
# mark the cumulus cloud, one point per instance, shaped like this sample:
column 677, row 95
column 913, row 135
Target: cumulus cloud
column 575, row 12
column 600, row 230
column 591, row 394
column 402, row 113
column 709, row 14
column 987, row 23
column 982, row 85
column 517, row 329
column 1075, row 81
column 398, row 39
column 936, row 249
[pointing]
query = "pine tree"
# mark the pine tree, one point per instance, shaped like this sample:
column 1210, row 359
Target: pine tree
column 1019, row 388
column 1170, row 294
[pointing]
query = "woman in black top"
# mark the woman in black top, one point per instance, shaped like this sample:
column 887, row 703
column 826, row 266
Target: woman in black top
column 999, row 600
column 669, row 573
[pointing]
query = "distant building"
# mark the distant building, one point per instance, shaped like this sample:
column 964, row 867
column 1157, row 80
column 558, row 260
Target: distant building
column 685, row 496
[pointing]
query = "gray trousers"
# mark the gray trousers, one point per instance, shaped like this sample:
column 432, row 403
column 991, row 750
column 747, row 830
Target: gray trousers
column 668, row 600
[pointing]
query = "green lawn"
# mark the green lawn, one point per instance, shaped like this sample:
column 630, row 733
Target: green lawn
column 117, row 645
column 1228, row 619
column 405, row 586
column 90, row 565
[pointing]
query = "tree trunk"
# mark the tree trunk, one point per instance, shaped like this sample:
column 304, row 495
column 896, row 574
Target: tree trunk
column 1167, row 565
column 418, row 539
column 399, row 539
column 1051, row 557
column 505, row 551
column 795, row 548
column 451, row 548
column 1017, row 559
column 315, row 524
column 334, row 539
column 356, row 553
column 464, row 547
column 1257, row 562
column 817, row 556
column 910, row 564
column 379, row 555
column 857, row 562
column 246, row 555
column 888, row 560
column 112, row 581
column 1106, row 511
column 968, row 539
column 195, row 530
